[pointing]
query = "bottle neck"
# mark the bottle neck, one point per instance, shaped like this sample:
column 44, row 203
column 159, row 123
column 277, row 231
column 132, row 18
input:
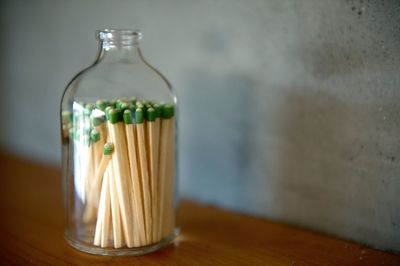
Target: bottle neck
column 119, row 53
column 119, row 46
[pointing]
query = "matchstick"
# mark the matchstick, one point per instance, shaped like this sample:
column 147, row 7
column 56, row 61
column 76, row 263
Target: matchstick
column 107, row 111
column 99, row 126
column 135, row 176
column 86, row 112
column 97, row 144
column 94, row 192
column 140, row 131
column 164, row 182
column 86, row 149
column 103, row 214
column 115, row 207
column 98, row 122
column 93, row 183
column 90, row 167
column 152, row 138
column 115, row 210
column 122, row 174
column 156, row 182
column 105, row 225
column 169, row 223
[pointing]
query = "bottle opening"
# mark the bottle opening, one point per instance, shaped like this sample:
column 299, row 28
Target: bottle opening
column 119, row 36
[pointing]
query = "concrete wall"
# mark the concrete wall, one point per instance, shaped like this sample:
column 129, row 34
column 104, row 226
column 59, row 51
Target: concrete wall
column 290, row 109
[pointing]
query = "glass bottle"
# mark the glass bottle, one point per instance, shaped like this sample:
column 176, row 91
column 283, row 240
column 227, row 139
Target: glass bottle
column 118, row 152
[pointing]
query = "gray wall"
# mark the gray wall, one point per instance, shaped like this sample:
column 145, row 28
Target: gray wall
column 290, row 109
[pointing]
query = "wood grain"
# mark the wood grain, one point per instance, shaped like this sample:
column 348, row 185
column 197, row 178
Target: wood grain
column 31, row 232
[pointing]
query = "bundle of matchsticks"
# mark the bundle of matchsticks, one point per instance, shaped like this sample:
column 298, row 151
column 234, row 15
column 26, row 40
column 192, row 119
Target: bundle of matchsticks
column 124, row 168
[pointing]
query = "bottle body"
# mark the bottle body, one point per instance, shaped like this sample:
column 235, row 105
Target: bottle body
column 118, row 140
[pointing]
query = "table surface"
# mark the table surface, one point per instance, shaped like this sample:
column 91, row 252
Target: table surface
column 31, row 232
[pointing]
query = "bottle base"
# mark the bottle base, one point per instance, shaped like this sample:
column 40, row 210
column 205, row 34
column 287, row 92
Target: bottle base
column 136, row 251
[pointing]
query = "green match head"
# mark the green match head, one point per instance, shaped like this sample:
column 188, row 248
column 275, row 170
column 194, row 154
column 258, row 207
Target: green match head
column 113, row 103
column 158, row 109
column 95, row 135
column 167, row 111
column 139, row 104
column 114, row 116
column 127, row 117
column 151, row 114
column 100, row 104
column 106, row 111
column 139, row 116
column 132, row 107
column 133, row 100
column 120, row 102
column 123, row 106
column 88, row 109
column 117, row 105
column 96, row 121
column 108, row 148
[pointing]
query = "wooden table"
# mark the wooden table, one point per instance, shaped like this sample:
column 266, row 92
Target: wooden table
column 31, row 232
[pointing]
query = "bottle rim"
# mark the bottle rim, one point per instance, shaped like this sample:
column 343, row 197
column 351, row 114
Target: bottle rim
column 123, row 36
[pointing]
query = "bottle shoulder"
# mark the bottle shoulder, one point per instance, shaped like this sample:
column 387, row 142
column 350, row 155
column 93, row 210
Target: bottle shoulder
column 110, row 80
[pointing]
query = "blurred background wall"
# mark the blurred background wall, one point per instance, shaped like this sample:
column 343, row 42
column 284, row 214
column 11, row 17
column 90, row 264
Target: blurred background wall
column 290, row 109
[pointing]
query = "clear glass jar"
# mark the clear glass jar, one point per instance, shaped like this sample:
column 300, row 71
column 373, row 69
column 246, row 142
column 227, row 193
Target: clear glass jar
column 118, row 152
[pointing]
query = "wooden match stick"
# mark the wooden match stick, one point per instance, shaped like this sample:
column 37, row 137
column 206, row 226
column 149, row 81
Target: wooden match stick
column 86, row 149
column 99, row 135
column 94, row 192
column 170, row 181
column 103, row 216
column 152, row 137
column 97, row 147
column 105, row 225
column 93, row 184
column 135, row 176
column 123, row 105
column 115, row 211
column 98, row 122
column 156, row 198
column 122, row 174
column 90, row 167
column 164, row 182
column 146, row 190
